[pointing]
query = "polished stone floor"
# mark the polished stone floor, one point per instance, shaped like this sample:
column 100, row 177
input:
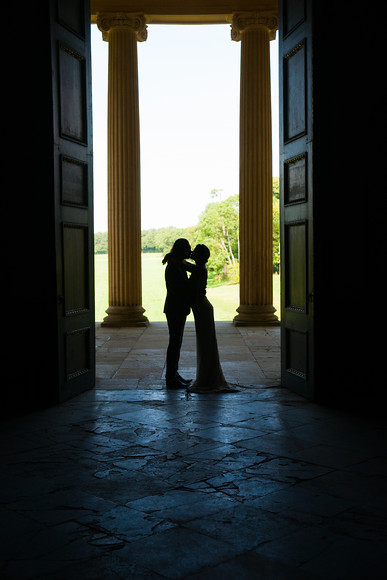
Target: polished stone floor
column 134, row 358
column 130, row 480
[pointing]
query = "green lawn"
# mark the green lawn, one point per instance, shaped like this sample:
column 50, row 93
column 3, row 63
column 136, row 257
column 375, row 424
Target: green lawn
column 225, row 299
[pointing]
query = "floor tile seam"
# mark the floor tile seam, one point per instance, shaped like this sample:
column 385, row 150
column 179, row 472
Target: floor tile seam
column 299, row 565
column 240, row 552
column 243, row 552
column 344, row 467
column 320, row 496
column 53, row 526
column 278, row 479
column 212, row 448
column 248, row 476
column 333, row 537
column 154, row 569
column 339, row 494
column 322, row 520
column 344, row 445
column 292, row 455
column 157, row 513
column 99, row 529
column 381, row 458
column 254, row 510
column 176, row 488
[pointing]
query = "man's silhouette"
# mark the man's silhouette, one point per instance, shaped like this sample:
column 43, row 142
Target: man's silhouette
column 176, row 308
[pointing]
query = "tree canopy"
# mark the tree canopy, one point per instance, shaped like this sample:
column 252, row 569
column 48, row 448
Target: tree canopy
column 218, row 228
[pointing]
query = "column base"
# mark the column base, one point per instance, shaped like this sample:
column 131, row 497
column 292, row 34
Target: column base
column 256, row 316
column 125, row 316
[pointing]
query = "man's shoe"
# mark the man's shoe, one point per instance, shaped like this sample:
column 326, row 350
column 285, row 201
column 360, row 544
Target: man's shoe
column 184, row 381
column 175, row 384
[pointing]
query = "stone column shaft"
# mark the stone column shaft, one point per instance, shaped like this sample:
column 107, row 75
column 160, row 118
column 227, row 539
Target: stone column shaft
column 255, row 178
column 124, row 196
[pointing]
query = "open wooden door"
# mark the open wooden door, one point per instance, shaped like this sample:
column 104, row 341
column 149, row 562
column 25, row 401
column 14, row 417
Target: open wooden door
column 296, row 172
column 73, row 190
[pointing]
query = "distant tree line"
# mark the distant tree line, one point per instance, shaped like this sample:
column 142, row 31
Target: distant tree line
column 101, row 243
column 218, row 228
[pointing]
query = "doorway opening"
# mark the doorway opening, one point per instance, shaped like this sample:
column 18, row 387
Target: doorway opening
column 189, row 131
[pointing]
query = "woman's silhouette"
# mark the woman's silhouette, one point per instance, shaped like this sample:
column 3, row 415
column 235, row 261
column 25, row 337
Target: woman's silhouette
column 209, row 374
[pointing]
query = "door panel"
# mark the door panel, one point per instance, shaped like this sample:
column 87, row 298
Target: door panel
column 76, row 280
column 296, row 266
column 77, row 354
column 294, row 92
column 71, row 67
column 297, row 354
column 72, row 88
column 74, row 182
column 295, row 180
column 296, row 140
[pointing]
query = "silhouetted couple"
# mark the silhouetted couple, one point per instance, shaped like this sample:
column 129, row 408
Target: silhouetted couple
column 184, row 293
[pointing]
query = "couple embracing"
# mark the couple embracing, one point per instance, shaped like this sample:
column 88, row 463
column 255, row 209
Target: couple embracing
column 184, row 293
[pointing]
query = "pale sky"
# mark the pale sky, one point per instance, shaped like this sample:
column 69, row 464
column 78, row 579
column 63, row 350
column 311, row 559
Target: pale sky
column 189, row 121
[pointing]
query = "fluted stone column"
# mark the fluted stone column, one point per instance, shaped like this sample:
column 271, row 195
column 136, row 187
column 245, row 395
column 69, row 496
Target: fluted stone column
column 122, row 31
column 255, row 31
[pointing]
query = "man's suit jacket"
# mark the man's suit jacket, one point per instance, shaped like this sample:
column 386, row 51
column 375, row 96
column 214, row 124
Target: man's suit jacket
column 177, row 302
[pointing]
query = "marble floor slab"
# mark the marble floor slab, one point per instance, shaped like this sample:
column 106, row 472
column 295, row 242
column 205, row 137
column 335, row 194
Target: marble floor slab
column 130, row 480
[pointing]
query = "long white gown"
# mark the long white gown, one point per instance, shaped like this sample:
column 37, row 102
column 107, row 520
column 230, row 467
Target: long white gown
column 209, row 374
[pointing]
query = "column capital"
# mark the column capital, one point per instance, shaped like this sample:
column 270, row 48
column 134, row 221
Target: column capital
column 243, row 21
column 136, row 23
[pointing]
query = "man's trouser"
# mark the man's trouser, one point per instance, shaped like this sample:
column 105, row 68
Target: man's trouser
column 176, row 325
